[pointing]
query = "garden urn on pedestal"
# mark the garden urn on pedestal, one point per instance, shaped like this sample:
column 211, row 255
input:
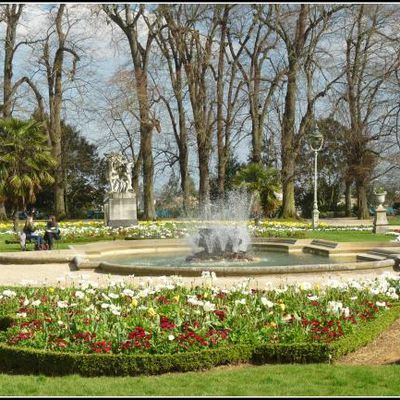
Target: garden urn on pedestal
column 380, row 219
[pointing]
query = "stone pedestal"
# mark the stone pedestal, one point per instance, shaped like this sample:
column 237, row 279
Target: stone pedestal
column 380, row 220
column 120, row 209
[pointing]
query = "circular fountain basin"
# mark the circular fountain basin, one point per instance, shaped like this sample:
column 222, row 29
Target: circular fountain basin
column 260, row 259
column 168, row 257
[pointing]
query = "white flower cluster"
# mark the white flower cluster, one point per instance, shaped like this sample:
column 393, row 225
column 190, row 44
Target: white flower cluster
column 338, row 308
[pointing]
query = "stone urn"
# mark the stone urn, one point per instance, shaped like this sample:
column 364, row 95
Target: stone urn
column 380, row 219
column 380, row 198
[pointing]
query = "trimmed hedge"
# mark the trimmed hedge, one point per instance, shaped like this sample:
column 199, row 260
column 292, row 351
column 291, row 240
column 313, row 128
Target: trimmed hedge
column 364, row 333
column 291, row 353
column 21, row 360
column 24, row 360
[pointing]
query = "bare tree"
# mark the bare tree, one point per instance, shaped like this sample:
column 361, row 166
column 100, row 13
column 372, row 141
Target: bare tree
column 127, row 18
column 368, row 66
column 261, row 74
column 174, row 59
column 196, row 49
column 300, row 27
column 54, row 67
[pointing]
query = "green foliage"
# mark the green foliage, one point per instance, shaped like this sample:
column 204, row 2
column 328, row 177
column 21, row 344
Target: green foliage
column 380, row 190
column 26, row 162
column 84, row 176
column 263, row 183
column 170, row 200
column 232, row 167
column 332, row 170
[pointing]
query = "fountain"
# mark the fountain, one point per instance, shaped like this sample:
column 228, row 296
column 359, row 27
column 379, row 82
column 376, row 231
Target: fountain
column 222, row 241
column 222, row 244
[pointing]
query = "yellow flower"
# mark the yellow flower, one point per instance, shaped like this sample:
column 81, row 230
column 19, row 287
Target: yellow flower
column 205, row 295
column 282, row 306
column 176, row 298
column 51, row 290
column 134, row 303
column 271, row 313
column 151, row 312
column 317, row 287
column 272, row 324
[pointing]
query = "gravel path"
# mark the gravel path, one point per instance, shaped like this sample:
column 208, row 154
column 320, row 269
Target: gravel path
column 52, row 274
column 385, row 349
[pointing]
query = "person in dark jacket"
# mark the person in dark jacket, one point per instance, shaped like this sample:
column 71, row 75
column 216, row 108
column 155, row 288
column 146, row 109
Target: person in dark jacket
column 52, row 232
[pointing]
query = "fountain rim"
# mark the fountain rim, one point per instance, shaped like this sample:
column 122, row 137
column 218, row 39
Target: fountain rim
column 91, row 258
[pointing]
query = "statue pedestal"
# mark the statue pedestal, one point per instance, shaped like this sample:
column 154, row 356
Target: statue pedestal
column 380, row 220
column 120, row 209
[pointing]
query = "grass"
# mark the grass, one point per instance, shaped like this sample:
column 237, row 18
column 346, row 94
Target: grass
column 342, row 236
column 245, row 380
column 394, row 220
column 350, row 236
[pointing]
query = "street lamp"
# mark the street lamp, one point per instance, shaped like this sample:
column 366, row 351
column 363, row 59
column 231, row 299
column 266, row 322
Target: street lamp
column 316, row 140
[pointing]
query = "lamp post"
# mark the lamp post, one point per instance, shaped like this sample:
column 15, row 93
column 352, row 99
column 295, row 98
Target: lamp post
column 316, row 140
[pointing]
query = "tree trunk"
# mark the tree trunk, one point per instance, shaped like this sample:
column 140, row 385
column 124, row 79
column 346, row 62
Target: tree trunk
column 287, row 143
column 137, row 167
column 363, row 212
column 220, row 106
column 183, row 169
column 182, row 141
column 59, row 191
column 204, row 184
column 54, row 78
column 3, row 214
column 348, row 199
column 148, row 172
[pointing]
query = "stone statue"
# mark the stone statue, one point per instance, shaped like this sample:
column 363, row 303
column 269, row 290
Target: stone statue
column 119, row 173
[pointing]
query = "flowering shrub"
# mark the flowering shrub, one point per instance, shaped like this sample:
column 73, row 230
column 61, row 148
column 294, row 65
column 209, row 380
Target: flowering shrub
column 171, row 318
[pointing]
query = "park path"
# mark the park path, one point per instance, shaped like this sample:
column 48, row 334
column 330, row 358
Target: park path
column 385, row 349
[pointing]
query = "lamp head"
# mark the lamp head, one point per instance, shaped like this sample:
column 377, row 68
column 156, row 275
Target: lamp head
column 315, row 139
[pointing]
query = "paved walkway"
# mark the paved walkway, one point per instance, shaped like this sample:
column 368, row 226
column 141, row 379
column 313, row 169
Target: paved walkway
column 62, row 274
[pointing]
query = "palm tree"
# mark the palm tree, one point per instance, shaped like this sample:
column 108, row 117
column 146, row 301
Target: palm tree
column 264, row 185
column 25, row 161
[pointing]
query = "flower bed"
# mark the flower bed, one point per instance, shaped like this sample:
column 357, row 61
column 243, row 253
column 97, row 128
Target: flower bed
column 186, row 328
column 75, row 231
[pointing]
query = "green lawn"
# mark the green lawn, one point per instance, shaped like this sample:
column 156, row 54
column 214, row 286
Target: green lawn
column 343, row 236
column 395, row 220
column 350, row 236
column 266, row 380
column 59, row 245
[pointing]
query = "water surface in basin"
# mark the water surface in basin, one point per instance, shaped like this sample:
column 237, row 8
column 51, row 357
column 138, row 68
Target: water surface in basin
column 262, row 259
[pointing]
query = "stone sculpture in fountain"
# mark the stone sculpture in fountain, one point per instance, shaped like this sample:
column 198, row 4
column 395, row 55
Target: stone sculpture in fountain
column 120, row 202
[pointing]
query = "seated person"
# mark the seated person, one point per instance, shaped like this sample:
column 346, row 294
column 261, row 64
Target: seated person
column 52, row 232
column 28, row 234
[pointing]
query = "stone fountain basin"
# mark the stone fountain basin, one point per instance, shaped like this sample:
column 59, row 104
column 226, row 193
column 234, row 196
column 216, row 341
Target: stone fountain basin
column 365, row 256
